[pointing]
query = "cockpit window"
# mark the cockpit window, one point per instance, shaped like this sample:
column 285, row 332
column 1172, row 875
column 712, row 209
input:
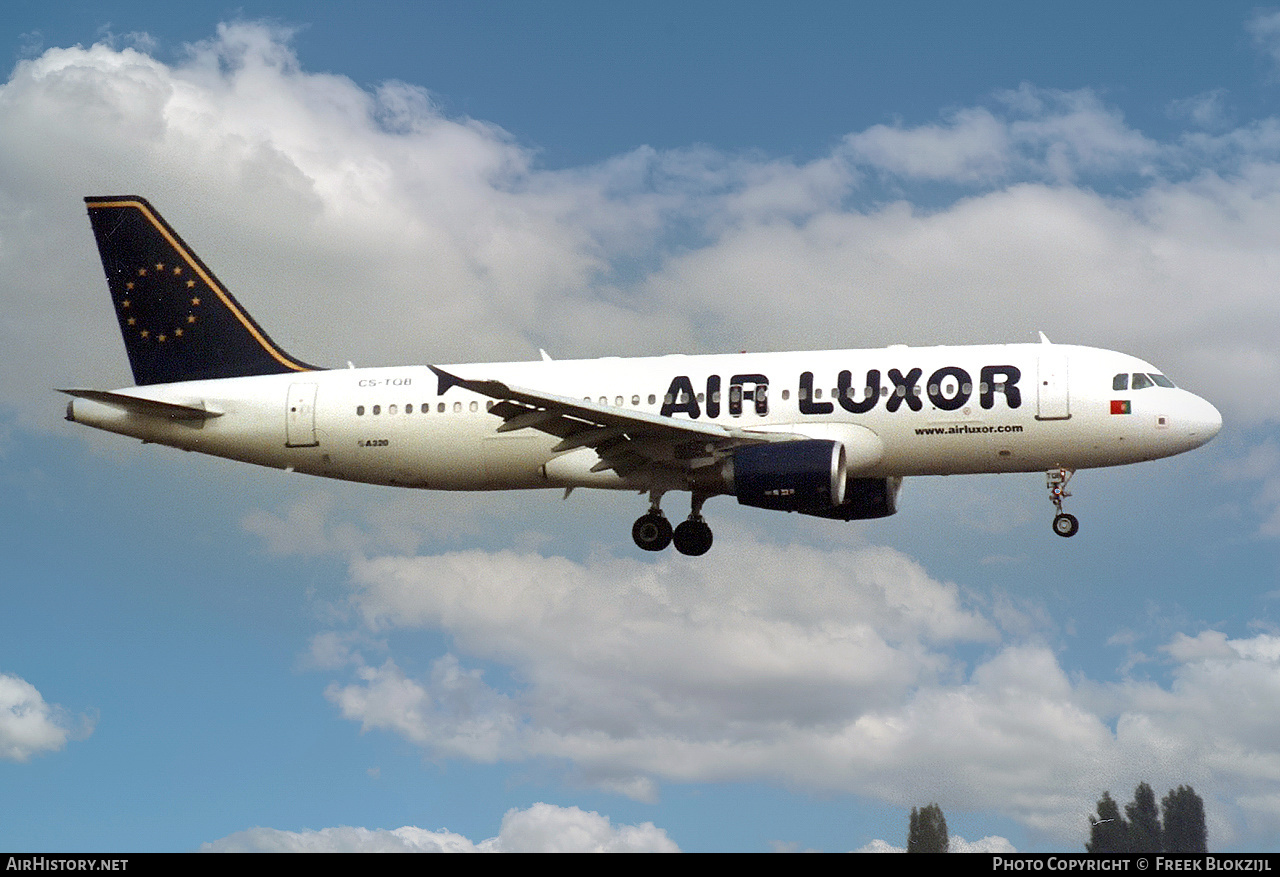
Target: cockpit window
column 1140, row 381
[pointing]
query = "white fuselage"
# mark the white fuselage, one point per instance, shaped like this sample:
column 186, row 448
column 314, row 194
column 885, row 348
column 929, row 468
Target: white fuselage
column 933, row 411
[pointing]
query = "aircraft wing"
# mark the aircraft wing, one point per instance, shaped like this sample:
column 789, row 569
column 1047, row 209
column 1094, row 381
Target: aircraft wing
column 626, row 440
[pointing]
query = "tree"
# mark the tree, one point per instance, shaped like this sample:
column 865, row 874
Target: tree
column 1184, row 828
column 1145, row 835
column 1110, row 833
column 928, row 833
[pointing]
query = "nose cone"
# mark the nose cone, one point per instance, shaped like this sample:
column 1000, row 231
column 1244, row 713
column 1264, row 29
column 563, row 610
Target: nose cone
column 1200, row 421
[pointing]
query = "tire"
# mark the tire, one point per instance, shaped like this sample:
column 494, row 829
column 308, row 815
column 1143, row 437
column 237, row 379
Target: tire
column 693, row 538
column 1066, row 525
column 651, row 532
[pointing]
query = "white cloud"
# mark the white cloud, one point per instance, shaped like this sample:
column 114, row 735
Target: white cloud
column 1046, row 134
column 1206, row 110
column 541, row 828
column 1264, row 27
column 28, row 725
column 1258, row 469
column 834, row 670
column 990, row 844
column 957, row 844
column 973, row 147
column 634, row 670
column 676, row 670
column 452, row 712
column 1065, row 135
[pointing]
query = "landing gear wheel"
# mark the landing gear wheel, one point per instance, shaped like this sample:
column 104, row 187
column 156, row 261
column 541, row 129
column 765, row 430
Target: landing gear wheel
column 693, row 537
column 652, row 531
column 1065, row 525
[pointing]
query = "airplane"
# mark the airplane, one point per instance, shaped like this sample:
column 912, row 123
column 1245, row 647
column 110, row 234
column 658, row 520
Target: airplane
column 830, row 434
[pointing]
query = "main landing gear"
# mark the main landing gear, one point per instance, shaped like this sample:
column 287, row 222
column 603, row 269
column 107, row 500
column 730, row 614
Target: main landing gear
column 1063, row 524
column 653, row 532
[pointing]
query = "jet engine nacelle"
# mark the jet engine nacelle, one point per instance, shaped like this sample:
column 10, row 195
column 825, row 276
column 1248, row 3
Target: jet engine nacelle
column 802, row 476
column 817, row 476
column 810, row 477
column 865, row 498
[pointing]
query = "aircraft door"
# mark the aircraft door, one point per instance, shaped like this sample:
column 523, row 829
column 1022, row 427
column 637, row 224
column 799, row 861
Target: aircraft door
column 300, row 417
column 1053, row 398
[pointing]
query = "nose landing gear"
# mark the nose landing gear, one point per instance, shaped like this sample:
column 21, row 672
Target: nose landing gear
column 1064, row 524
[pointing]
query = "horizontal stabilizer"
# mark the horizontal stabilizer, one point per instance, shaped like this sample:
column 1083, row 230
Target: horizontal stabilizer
column 147, row 407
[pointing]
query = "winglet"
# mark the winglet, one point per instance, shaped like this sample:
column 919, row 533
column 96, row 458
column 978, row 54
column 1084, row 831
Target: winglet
column 445, row 380
column 492, row 389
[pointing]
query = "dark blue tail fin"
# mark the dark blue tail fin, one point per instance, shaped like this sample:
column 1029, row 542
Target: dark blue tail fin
column 179, row 323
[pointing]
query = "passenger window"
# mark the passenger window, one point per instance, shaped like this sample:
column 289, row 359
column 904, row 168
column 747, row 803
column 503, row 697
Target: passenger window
column 1141, row 381
column 1120, row 382
column 359, row 411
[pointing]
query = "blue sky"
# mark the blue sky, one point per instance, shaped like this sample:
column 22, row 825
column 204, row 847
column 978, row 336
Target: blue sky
column 195, row 653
